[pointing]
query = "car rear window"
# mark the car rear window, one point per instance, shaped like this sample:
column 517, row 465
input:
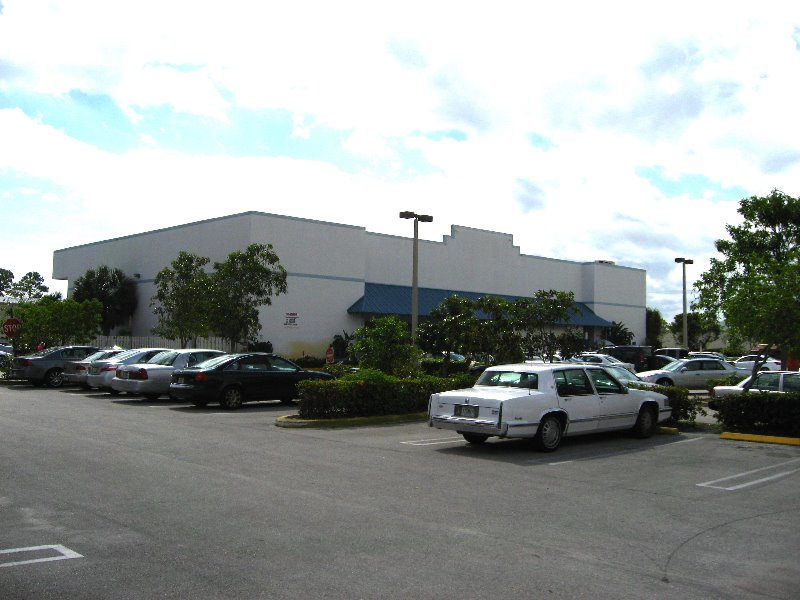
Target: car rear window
column 509, row 379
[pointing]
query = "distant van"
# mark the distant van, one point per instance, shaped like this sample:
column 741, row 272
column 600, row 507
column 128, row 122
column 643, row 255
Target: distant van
column 638, row 356
column 673, row 352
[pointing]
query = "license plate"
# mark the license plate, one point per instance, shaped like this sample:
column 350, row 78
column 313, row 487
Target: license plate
column 464, row 410
column 180, row 380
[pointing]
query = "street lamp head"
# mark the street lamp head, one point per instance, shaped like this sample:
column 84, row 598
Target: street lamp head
column 677, row 260
column 688, row 261
column 425, row 218
column 407, row 214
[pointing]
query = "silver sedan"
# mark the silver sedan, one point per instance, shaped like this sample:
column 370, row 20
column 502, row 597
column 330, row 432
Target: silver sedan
column 151, row 379
column 690, row 373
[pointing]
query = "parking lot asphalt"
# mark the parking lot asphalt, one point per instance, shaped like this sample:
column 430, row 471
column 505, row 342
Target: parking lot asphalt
column 112, row 497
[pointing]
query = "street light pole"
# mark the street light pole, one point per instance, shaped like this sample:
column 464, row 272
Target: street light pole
column 685, row 261
column 415, row 268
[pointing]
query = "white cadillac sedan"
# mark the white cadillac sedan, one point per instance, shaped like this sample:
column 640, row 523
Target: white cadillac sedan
column 546, row 402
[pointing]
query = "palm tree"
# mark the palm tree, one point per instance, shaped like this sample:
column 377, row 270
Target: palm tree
column 114, row 289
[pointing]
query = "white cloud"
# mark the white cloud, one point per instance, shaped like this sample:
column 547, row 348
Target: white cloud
column 442, row 99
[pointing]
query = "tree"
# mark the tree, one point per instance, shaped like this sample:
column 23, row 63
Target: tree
column 570, row 343
column 619, row 334
column 57, row 322
column 497, row 335
column 755, row 286
column 385, row 344
column 700, row 330
column 6, row 279
column 115, row 291
column 183, row 299
column 654, row 327
column 451, row 327
column 537, row 316
column 241, row 284
column 29, row 288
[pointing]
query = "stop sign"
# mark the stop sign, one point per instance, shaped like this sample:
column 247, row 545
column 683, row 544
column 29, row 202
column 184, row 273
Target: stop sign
column 11, row 327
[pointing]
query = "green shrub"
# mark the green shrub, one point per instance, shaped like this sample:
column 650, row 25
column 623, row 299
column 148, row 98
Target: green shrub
column 434, row 366
column 732, row 379
column 684, row 407
column 306, row 361
column 767, row 413
column 370, row 392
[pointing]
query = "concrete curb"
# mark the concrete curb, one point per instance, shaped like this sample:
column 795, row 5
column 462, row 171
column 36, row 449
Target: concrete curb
column 763, row 439
column 294, row 421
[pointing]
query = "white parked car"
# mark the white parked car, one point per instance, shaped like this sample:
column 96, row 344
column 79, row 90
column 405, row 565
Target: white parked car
column 745, row 363
column 101, row 372
column 601, row 359
column 693, row 373
column 546, row 402
column 151, row 379
column 766, row 381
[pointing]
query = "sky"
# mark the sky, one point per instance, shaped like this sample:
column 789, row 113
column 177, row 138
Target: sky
column 623, row 131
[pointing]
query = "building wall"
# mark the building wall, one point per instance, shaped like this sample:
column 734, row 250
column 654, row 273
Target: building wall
column 328, row 264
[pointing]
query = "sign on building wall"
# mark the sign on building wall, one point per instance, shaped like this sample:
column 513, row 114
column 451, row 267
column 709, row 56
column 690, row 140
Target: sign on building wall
column 291, row 320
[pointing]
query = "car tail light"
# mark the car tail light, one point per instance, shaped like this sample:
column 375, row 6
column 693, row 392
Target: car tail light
column 25, row 362
column 109, row 368
column 80, row 368
column 140, row 374
column 201, row 377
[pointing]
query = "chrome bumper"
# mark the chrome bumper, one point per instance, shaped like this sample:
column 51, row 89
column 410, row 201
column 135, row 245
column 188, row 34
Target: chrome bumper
column 469, row 425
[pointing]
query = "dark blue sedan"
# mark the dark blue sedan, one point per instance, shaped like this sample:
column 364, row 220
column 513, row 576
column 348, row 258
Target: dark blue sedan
column 236, row 378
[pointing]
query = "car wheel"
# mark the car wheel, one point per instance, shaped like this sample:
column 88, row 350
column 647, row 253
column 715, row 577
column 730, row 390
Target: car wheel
column 152, row 396
column 54, row 378
column 231, row 398
column 114, row 392
column 287, row 400
column 664, row 381
column 199, row 403
column 474, row 438
column 645, row 422
column 549, row 435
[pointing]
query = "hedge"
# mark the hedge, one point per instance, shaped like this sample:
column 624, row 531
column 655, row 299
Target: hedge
column 684, row 407
column 370, row 394
column 765, row 413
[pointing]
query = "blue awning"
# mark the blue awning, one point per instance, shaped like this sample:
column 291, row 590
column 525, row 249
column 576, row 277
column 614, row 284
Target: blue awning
column 384, row 299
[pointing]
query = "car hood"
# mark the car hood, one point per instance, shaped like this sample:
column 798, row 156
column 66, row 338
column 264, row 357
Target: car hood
column 654, row 372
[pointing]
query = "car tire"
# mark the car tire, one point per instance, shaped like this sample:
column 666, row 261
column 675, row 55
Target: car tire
column 549, row 435
column 645, row 422
column 114, row 392
column 474, row 438
column 664, row 381
column 200, row 403
column 54, row 378
column 151, row 396
column 231, row 398
column 287, row 400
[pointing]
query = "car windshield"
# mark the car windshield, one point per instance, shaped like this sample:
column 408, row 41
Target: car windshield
column 126, row 354
column 509, row 379
column 163, row 358
column 214, row 362
column 623, row 374
column 45, row 352
column 674, row 366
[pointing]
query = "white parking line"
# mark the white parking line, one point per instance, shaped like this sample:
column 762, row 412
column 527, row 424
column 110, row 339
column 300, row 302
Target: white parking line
column 617, row 453
column 712, row 484
column 64, row 554
column 433, row 441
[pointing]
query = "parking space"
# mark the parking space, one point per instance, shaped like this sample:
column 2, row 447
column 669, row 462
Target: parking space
column 161, row 497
